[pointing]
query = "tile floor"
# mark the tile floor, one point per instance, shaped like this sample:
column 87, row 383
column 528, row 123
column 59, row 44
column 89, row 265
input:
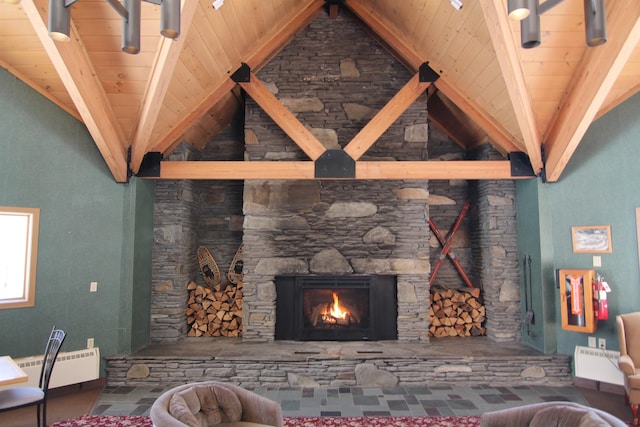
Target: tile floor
column 359, row 401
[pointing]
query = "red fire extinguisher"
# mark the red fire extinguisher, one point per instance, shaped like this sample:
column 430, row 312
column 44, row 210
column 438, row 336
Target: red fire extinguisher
column 600, row 290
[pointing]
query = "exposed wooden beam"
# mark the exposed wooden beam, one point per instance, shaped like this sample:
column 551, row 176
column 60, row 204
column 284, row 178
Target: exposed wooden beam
column 163, row 68
column 365, row 170
column 598, row 72
column 256, row 60
column 402, row 100
column 495, row 14
column 237, row 170
column 76, row 72
column 283, row 117
column 435, row 169
column 401, row 48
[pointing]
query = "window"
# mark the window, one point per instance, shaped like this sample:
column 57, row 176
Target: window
column 18, row 254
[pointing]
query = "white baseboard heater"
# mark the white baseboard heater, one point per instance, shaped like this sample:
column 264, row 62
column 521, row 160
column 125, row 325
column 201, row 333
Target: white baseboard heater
column 597, row 364
column 72, row 367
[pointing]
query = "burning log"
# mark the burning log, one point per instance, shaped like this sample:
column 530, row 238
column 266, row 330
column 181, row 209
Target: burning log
column 457, row 312
column 336, row 314
column 214, row 312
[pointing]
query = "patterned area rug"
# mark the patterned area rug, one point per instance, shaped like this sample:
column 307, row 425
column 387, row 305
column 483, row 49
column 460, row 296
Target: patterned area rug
column 469, row 421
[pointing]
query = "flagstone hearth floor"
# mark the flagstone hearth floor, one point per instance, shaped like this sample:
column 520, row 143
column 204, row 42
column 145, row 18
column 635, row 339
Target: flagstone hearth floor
column 367, row 401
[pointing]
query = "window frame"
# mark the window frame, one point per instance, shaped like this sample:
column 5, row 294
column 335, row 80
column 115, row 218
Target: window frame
column 29, row 260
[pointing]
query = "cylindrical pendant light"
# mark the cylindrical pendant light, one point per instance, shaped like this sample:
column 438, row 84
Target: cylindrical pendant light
column 518, row 9
column 170, row 18
column 595, row 22
column 131, row 27
column 530, row 27
column 59, row 20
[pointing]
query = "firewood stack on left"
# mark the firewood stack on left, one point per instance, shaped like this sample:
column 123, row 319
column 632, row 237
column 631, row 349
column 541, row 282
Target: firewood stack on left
column 215, row 311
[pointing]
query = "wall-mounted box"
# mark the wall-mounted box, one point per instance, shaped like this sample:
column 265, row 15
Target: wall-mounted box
column 576, row 300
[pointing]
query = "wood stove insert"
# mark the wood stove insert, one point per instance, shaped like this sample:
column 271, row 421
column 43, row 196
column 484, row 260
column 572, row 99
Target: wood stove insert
column 336, row 308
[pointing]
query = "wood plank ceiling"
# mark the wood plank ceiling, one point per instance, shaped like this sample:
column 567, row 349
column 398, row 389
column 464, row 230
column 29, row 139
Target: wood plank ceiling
column 489, row 89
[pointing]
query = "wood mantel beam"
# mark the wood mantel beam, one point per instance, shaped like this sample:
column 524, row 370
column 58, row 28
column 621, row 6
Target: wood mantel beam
column 283, row 117
column 365, row 170
column 385, row 117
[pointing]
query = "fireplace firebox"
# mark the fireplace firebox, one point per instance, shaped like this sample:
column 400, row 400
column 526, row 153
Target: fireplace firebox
column 336, row 308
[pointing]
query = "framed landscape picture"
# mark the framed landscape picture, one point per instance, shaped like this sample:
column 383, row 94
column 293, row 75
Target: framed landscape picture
column 591, row 239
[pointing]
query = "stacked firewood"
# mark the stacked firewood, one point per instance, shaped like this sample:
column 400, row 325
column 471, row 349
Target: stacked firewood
column 456, row 313
column 215, row 311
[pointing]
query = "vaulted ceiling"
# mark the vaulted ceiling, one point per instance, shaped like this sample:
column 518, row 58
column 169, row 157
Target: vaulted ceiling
column 537, row 101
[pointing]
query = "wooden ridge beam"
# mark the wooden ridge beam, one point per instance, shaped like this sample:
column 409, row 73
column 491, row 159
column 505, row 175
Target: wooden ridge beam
column 365, row 170
column 369, row 134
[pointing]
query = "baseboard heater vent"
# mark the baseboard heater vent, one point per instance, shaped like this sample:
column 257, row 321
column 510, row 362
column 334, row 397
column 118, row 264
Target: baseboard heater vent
column 72, row 367
column 598, row 365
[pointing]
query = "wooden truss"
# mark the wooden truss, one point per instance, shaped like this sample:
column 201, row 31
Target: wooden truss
column 336, row 164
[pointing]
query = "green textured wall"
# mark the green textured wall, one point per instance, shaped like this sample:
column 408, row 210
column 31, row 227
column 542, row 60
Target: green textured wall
column 599, row 187
column 91, row 229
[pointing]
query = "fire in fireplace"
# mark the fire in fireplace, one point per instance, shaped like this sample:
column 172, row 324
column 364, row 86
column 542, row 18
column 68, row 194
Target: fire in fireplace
column 336, row 308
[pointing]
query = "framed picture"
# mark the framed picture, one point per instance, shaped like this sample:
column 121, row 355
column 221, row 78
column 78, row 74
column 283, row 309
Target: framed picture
column 592, row 239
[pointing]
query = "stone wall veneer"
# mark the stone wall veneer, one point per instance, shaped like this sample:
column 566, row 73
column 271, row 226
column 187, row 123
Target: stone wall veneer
column 336, row 227
column 326, row 235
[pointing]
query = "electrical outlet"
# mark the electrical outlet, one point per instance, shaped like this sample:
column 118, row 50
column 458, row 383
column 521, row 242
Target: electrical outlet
column 602, row 343
column 597, row 261
column 93, row 287
column 90, row 342
column 592, row 342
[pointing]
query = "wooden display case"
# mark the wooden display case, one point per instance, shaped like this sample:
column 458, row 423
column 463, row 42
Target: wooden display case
column 576, row 300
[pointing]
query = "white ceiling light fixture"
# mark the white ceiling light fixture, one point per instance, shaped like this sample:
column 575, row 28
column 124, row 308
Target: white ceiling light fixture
column 528, row 13
column 457, row 4
column 129, row 10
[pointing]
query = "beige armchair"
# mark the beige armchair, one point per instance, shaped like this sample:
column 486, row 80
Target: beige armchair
column 214, row 403
column 545, row 414
column 629, row 362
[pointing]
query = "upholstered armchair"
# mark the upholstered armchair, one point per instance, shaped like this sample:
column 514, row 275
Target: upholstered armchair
column 629, row 362
column 213, row 403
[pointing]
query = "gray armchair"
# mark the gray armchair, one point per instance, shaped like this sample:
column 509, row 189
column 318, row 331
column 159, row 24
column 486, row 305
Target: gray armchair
column 214, row 403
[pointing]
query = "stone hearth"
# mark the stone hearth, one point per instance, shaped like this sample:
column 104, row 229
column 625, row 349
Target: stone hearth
column 460, row 362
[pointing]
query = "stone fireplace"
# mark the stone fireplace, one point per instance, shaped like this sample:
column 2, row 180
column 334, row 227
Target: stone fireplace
column 334, row 228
